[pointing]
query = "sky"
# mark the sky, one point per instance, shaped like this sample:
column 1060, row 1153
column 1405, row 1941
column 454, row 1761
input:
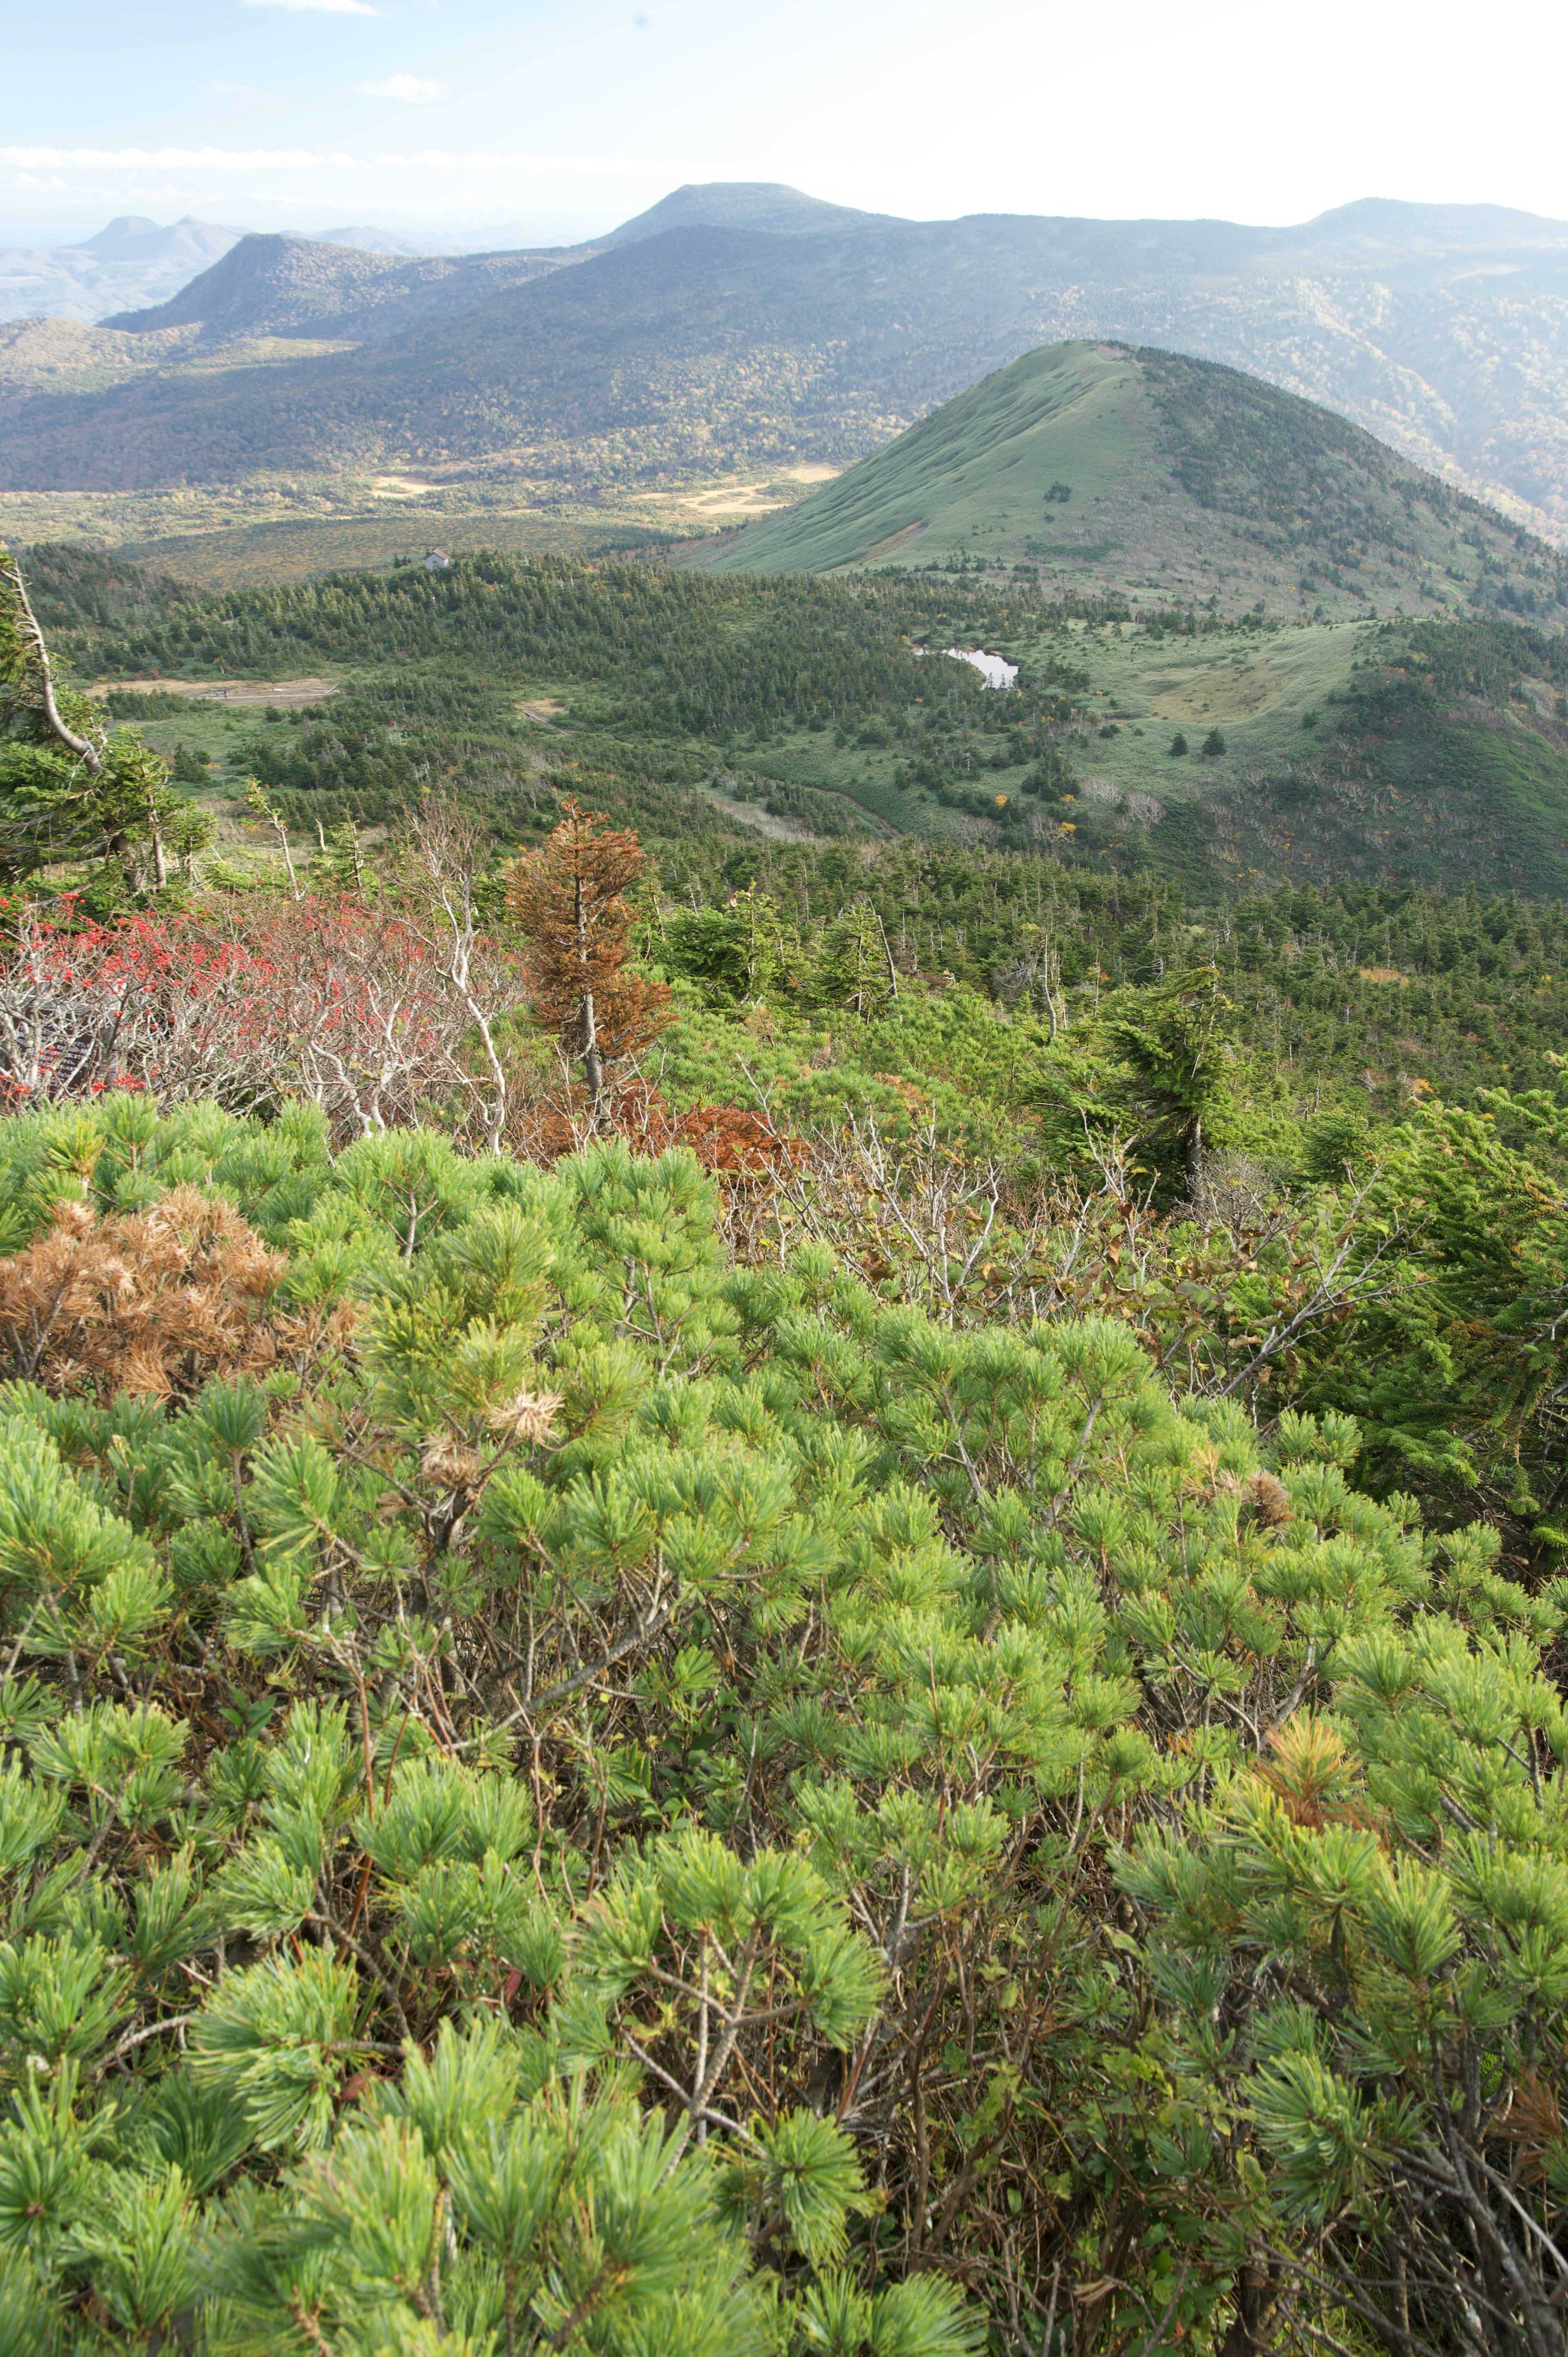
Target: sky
column 452, row 114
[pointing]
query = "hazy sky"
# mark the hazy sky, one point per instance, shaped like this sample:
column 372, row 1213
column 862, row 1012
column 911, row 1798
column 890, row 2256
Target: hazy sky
column 311, row 113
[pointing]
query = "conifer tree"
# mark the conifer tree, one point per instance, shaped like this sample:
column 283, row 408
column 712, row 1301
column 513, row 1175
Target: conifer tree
column 568, row 897
column 1180, row 1059
column 855, row 969
column 68, row 789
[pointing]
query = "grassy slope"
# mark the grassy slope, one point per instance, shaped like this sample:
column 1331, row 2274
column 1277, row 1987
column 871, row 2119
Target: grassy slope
column 1187, row 481
column 1436, row 790
column 974, row 475
column 1443, row 794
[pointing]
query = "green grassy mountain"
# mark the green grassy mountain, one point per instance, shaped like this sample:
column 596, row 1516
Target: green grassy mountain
column 1103, row 469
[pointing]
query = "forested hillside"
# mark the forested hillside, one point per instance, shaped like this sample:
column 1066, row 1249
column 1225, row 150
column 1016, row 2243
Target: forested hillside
column 763, row 1589
column 746, row 344
column 1405, row 752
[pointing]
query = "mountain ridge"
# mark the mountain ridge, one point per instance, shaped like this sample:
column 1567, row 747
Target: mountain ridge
column 132, row 259
column 278, row 285
column 699, row 349
column 1102, row 469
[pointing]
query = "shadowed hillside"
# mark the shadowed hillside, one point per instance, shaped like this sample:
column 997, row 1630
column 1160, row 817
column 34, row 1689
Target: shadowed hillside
column 302, row 287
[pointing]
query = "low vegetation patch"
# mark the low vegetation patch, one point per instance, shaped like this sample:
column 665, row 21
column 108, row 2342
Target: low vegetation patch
column 713, row 1639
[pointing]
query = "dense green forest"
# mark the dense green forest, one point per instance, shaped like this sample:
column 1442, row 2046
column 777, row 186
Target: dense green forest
column 763, row 1589
column 1409, row 750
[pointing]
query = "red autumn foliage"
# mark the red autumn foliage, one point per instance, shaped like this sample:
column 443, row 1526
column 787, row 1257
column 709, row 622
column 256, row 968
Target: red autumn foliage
column 351, row 1007
column 383, row 1014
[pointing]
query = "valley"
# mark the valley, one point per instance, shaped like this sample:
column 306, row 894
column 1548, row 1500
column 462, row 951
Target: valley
column 1228, row 753
column 730, row 335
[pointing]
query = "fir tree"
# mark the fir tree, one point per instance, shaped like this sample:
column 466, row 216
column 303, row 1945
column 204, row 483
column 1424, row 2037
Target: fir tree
column 568, row 898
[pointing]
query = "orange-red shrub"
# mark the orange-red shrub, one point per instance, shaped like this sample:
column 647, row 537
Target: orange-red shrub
column 740, row 1148
column 351, row 1007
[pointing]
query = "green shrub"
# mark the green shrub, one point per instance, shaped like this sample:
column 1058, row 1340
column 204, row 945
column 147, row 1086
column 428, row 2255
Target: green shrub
column 658, row 1802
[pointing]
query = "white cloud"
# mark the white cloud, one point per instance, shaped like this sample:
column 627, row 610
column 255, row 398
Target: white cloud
column 137, row 159
column 303, row 159
column 408, row 87
column 326, row 7
column 231, row 89
column 438, row 159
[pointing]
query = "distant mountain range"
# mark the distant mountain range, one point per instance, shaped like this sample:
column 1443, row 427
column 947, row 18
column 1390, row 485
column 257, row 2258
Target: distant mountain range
column 135, row 264
column 132, row 261
column 749, row 327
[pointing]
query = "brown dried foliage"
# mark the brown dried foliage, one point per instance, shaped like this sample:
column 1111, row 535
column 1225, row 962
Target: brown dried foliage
column 152, row 1302
column 743, row 1149
column 567, row 897
column 1269, row 1500
column 1311, row 1774
column 1531, row 2121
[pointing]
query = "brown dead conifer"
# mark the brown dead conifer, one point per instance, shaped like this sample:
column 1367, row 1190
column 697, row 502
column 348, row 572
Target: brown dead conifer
column 567, row 897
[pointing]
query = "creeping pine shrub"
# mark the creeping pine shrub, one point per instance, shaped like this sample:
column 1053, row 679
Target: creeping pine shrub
column 132, row 1303
column 648, row 1804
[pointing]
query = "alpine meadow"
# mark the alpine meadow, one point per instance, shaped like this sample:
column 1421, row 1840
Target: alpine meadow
column 783, row 1302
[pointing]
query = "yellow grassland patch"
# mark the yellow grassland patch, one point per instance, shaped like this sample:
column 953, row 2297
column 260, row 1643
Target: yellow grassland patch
column 1221, row 692
column 753, row 498
column 287, row 692
column 895, row 539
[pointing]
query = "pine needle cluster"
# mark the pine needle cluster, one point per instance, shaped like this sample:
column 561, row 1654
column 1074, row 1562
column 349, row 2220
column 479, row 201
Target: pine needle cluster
column 640, row 1800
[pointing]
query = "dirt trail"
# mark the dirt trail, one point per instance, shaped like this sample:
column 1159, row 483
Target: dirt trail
column 289, row 694
column 779, row 830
